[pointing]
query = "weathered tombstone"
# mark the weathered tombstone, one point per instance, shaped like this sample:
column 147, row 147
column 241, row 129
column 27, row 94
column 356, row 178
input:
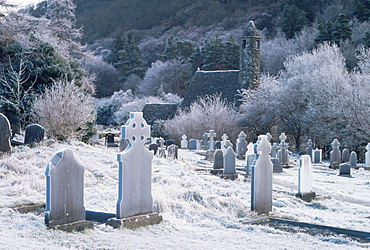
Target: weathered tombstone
column 262, row 178
column 317, row 156
column 218, row 162
column 229, row 165
column 192, row 144
column 135, row 174
column 224, row 138
column 184, row 142
column 367, row 157
column 241, row 146
column 309, row 147
column 283, row 152
column 153, row 147
column 353, row 159
column 109, row 140
column 305, row 179
column 65, row 191
column 345, row 169
column 249, row 158
column 5, row 134
column 34, row 134
column 335, row 155
column 274, row 149
column 161, row 149
column 217, row 145
column 205, row 141
column 345, row 155
column 277, row 168
column 173, row 151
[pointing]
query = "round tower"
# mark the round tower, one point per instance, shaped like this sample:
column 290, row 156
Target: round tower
column 249, row 71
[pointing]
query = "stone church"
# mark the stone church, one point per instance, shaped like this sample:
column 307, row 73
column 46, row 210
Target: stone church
column 228, row 82
column 223, row 82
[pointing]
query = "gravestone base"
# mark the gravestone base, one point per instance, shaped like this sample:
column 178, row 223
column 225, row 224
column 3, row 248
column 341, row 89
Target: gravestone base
column 74, row 226
column 135, row 221
column 217, row 171
column 308, row 196
column 229, row 176
column 276, row 167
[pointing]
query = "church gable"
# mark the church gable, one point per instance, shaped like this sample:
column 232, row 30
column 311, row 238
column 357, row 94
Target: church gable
column 224, row 82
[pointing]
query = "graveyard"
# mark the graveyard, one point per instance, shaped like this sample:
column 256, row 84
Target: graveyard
column 199, row 209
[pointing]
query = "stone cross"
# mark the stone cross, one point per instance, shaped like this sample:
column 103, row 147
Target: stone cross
column 229, row 164
column 305, row 175
column 335, row 155
column 282, row 137
column 262, row 178
column 309, row 147
column 184, row 142
column 211, row 135
column 367, row 156
column 135, row 169
column 283, row 152
column 64, row 189
column 34, row 134
column 5, row 134
column 241, row 146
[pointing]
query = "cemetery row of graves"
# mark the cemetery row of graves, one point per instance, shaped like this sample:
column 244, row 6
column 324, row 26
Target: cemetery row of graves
column 134, row 208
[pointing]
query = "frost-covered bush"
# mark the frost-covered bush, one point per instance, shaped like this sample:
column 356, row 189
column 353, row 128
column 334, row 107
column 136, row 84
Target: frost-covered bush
column 64, row 109
column 209, row 112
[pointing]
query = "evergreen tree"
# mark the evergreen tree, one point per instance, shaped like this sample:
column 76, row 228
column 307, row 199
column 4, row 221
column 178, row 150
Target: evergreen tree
column 177, row 49
column 361, row 9
column 293, row 20
column 335, row 32
column 366, row 39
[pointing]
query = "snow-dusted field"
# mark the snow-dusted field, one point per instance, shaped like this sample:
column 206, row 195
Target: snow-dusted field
column 200, row 211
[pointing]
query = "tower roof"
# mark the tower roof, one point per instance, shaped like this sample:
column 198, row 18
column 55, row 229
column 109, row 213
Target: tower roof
column 251, row 30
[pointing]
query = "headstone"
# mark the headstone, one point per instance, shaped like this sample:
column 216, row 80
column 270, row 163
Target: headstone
column 309, row 147
column 249, row 158
column 277, row 168
column 241, row 146
column 5, row 134
column 64, row 189
column 274, row 150
column 173, row 151
column 305, row 179
column 229, row 165
column 198, row 144
column 335, row 155
column 353, row 159
column 211, row 135
column 317, row 156
column 218, row 162
column 262, row 178
column 109, row 140
column 283, row 152
column 367, row 156
column 205, row 141
column 217, row 145
column 184, row 142
column 34, row 134
column 345, row 169
column 153, row 147
column 224, row 138
column 192, row 144
column 345, row 155
column 161, row 149
column 135, row 169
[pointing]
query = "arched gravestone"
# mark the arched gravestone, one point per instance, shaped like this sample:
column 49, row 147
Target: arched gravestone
column 5, row 134
column 64, row 189
column 135, row 169
column 34, row 134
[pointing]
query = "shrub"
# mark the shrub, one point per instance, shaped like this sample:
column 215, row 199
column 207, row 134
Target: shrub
column 64, row 110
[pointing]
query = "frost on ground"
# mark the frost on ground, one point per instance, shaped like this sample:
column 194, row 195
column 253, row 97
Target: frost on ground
column 200, row 210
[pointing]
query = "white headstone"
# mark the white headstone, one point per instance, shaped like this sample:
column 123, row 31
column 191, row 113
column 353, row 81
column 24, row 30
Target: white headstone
column 263, row 178
column 224, row 138
column 135, row 169
column 305, row 175
column 283, row 152
column 249, row 158
column 241, row 145
column 184, row 142
column 64, row 189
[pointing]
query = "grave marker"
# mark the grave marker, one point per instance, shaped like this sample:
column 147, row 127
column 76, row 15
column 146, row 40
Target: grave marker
column 367, row 156
column 345, row 155
column 249, row 158
column 241, row 145
column 224, row 138
column 335, row 155
column 173, row 151
column 283, row 152
column 229, row 165
column 353, row 159
column 192, row 144
column 184, row 142
column 309, row 147
column 317, row 156
column 5, row 134
column 305, row 179
column 218, row 162
column 34, row 134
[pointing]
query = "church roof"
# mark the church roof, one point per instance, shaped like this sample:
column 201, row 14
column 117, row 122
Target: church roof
column 224, row 82
column 251, row 30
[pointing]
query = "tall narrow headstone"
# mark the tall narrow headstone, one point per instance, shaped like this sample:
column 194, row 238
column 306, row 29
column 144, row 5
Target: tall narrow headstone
column 353, row 159
column 229, row 165
column 5, row 134
column 241, row 146
column 283, row 152
column 335, row 155
column 34, row 134
column 184, row 142
column 205, row 141
column 224, row 138
column 274, row 149
column 277, row 168
column 249, row 158
column 198, row 144
column 317, row 156
column 211, row 135
column 218, row 162
column 367, row 156
column 262, row 195
column 135, row 169
column 309, row 147
column 64, row 189
column 305, row 179
column 345, row 155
